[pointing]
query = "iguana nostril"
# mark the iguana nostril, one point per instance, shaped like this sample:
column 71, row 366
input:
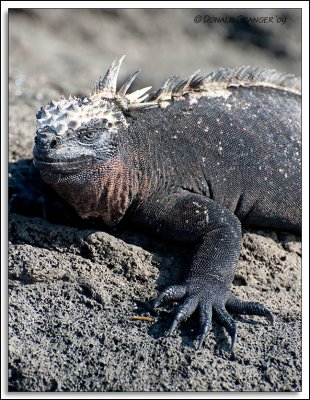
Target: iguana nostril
column 53, row 143
column 46, row 139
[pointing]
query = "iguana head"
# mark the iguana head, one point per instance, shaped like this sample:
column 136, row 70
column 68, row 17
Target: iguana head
column 77, row 143
column 77, row 147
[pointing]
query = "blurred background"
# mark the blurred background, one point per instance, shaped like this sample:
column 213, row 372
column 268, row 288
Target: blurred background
column 68, row 49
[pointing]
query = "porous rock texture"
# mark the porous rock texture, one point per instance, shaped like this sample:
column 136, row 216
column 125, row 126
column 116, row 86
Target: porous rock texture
column 74, row 287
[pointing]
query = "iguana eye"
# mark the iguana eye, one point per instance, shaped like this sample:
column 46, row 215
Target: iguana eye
column 88, row 134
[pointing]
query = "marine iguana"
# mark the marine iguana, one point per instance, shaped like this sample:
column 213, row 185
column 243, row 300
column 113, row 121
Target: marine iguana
column 190, row 162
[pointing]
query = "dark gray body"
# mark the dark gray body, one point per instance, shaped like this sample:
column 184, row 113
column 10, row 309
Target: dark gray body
column 191, row 164
column 243, row 152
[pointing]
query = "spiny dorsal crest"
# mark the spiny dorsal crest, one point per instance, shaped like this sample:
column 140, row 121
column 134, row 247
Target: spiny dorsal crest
column 105, row 102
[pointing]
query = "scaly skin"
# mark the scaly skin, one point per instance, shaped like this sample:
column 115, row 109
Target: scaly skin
column 191, row 163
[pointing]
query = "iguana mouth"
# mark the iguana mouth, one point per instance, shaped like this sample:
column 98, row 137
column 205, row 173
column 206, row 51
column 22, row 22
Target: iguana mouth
column 66, row 167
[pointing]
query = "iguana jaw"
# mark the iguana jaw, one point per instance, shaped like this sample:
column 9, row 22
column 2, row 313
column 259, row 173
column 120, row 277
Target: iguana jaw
column 55, row 167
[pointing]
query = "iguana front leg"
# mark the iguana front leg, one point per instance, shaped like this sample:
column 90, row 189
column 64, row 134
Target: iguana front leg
column 216, row 231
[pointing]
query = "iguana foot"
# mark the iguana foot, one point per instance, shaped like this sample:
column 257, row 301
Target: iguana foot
column 212, row 299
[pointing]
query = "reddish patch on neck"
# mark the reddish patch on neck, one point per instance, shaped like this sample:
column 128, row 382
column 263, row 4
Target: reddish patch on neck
column 106, row 191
